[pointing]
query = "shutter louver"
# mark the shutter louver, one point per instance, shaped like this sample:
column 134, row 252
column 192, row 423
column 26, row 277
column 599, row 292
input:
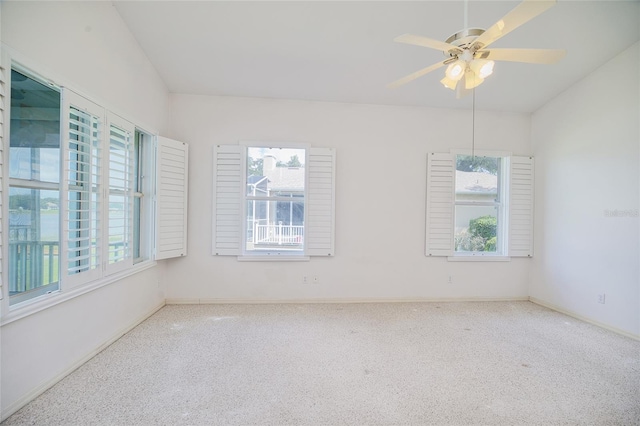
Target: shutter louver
column 440, row 204
column 320, row 203
column 521, row 207
column 172, row 188
column 82, row 255
column 120, row 195
column 227, row 181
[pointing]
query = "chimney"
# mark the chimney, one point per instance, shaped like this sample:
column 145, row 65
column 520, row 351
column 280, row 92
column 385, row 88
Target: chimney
column 268, row 164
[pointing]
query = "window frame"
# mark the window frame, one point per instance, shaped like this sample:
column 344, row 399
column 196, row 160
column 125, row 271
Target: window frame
column 258, row 255
column 93, row 185
column 124, row 190
column 30, row 184
column 501, row 204
column 144, row 188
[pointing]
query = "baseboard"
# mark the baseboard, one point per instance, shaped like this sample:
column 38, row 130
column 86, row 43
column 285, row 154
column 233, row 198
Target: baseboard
column 311, row 301
column 49, row 383
column 583, row 318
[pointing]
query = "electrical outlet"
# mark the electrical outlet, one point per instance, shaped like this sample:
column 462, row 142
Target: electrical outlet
column 601, row 298
column 450, row 280
column 305, row 280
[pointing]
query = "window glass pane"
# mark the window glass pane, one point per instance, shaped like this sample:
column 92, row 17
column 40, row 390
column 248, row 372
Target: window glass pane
column 477, row 178
column 136, row 227
column 275, row 225
column 35, row 130
column 34, row 223
column 476, row 228
column 273, row 171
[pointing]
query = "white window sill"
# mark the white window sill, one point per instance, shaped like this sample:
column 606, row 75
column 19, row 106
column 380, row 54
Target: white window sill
column 29, row 307
column 273, row 258
column 476, row 258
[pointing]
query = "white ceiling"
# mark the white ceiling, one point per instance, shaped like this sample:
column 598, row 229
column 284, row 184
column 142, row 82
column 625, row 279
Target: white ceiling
column 343, row 51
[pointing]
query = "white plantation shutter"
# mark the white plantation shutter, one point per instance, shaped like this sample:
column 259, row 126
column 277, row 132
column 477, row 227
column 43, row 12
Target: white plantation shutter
column 320, row 202
column 172, row 187
column 440, row 204
column 521, row 207
column 82, row 191
column 119, row 207
column 227, row 186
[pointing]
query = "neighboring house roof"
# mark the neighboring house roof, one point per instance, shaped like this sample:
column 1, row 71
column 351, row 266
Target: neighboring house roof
column 476, row 183
column 286, row 179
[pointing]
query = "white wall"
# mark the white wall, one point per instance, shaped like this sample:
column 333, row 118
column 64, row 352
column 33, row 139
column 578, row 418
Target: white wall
column 86, row 46
column 587, row 147
column 380, row 214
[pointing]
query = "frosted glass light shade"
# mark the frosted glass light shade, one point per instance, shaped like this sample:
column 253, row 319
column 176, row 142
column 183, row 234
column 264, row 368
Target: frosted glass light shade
column 483, row 68
column 455, row 70
column 449, row 83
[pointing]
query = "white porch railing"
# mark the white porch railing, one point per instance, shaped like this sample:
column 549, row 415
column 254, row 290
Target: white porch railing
column 278, row 234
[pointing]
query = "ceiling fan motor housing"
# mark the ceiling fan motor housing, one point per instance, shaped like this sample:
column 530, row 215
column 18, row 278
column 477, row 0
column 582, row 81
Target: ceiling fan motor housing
column 463, row 39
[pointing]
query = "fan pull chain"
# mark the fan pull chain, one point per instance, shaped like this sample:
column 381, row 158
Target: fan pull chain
column 473, row 124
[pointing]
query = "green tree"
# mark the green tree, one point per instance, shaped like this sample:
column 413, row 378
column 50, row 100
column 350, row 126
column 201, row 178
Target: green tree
column 20, row 201
column 255, row 166
column 485, row 228
column 294, row 161
column 467, row 163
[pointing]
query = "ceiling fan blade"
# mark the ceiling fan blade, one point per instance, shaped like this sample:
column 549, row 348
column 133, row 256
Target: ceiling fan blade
column 415, row 75
column 530, row 56
column 426, row 42
column 521, row 14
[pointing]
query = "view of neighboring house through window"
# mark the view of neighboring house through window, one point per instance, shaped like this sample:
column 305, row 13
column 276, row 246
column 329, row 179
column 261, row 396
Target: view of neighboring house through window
column 34, row 188
column 479, row 205
column 275, row 199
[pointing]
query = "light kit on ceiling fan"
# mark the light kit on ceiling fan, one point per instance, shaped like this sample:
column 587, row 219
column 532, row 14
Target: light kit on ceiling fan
column 469, row 61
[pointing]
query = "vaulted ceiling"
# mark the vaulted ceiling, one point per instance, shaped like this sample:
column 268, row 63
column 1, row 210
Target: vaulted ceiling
column 343, row 51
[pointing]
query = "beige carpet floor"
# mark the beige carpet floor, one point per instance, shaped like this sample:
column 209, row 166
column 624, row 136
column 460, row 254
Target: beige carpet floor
column 511, row 363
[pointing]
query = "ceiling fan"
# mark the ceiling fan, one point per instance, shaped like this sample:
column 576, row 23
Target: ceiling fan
column 469, row 61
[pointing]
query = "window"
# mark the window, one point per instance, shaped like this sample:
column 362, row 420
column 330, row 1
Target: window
column 273, row 201
column 81, row 186
column 120, row 194
column 479, row 206
column 82, row 226
column 34, row 188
